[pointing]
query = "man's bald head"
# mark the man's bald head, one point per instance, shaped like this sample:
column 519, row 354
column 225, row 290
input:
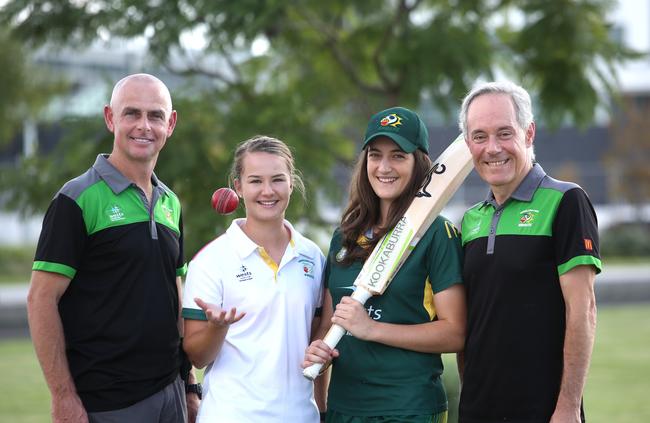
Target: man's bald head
column 141, row 117
column 143, row 78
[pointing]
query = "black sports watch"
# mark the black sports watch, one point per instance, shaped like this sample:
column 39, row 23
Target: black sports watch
column 194, row 388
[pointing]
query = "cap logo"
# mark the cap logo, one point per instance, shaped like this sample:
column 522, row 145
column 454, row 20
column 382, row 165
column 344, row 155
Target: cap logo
column 391, row 120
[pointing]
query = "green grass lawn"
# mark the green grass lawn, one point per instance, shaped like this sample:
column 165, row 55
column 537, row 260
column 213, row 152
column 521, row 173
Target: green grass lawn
column 616, row 389
column 618, row 384
column 25, row 398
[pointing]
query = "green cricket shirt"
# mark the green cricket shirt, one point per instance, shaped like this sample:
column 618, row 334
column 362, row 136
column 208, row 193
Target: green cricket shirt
column 514, row 256
column 120, row 311
column 372, row 379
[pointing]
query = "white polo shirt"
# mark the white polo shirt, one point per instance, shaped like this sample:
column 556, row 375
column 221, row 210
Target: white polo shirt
column 256, row 376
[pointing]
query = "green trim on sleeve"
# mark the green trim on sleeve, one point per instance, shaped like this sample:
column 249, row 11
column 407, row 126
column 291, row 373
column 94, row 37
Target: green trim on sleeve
column 62, row 269
column 194, row 314
column 181, row 271
column 579, row 261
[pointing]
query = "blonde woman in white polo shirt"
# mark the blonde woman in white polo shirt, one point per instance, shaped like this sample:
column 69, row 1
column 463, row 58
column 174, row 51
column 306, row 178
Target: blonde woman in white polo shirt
column 250, row 299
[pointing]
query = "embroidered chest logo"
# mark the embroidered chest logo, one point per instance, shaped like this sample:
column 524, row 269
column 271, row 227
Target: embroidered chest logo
column 115, row 213
column 476, row 229
column 244, row 274
column 307, row 267
column 527, row 218
column 169, row 214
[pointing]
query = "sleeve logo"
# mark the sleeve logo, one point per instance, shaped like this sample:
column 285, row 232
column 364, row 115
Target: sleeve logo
column 452, row 232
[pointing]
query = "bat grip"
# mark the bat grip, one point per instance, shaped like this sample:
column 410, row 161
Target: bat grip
column 335, row 333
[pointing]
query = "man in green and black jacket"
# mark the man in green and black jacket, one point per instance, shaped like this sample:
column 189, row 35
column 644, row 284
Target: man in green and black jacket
column 531, row 256
column 104, row 298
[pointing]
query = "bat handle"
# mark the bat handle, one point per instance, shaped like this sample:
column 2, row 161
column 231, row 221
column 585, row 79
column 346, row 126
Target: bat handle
column 332, row 338
column 334, row 334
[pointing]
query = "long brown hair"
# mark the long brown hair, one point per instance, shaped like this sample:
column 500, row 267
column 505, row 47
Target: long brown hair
column 362, row 212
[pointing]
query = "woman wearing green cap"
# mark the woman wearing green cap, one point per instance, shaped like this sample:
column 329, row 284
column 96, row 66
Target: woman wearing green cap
column 388, row 367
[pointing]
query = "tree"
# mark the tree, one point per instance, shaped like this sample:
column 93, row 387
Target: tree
column 330, row 65
column 630, row 153
column 25, row 90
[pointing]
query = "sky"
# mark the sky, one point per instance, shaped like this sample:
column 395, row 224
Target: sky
column 633, row 17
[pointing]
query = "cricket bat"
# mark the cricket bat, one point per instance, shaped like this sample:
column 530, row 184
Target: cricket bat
column 443, row 179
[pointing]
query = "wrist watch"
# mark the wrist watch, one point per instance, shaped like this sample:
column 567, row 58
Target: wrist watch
column 194, row 388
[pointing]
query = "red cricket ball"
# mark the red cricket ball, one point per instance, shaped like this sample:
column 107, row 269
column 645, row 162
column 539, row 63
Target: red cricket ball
column 225, row 201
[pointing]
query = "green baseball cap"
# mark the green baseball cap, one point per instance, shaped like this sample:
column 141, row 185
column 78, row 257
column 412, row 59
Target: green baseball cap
column 400, row 125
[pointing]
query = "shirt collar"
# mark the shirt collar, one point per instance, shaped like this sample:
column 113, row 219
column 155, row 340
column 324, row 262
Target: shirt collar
column 245, row 246
column 526, row 188
column 115, row 179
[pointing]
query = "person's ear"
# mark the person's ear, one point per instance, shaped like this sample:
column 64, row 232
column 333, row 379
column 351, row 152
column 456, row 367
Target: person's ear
column 237, row 186
column 108, row 118
column 530, row 134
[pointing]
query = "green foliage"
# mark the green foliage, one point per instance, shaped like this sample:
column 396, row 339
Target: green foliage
column 16, row 263
column 30, row 185
column 564, row 49
column 628, row 157
column 626, row 240
column 25, row 89
column 329, row 66
column 363, row 54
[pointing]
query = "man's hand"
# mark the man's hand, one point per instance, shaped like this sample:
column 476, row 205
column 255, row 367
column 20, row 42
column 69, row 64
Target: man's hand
column 68, row 409
column 566, row 416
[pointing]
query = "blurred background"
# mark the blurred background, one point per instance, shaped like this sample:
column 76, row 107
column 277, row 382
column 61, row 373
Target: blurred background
column 311, row 72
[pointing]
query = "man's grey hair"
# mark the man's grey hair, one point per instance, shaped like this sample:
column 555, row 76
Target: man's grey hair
column 520, row 100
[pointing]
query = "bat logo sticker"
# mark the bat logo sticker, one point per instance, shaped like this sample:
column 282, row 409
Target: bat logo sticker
column 438, row 169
